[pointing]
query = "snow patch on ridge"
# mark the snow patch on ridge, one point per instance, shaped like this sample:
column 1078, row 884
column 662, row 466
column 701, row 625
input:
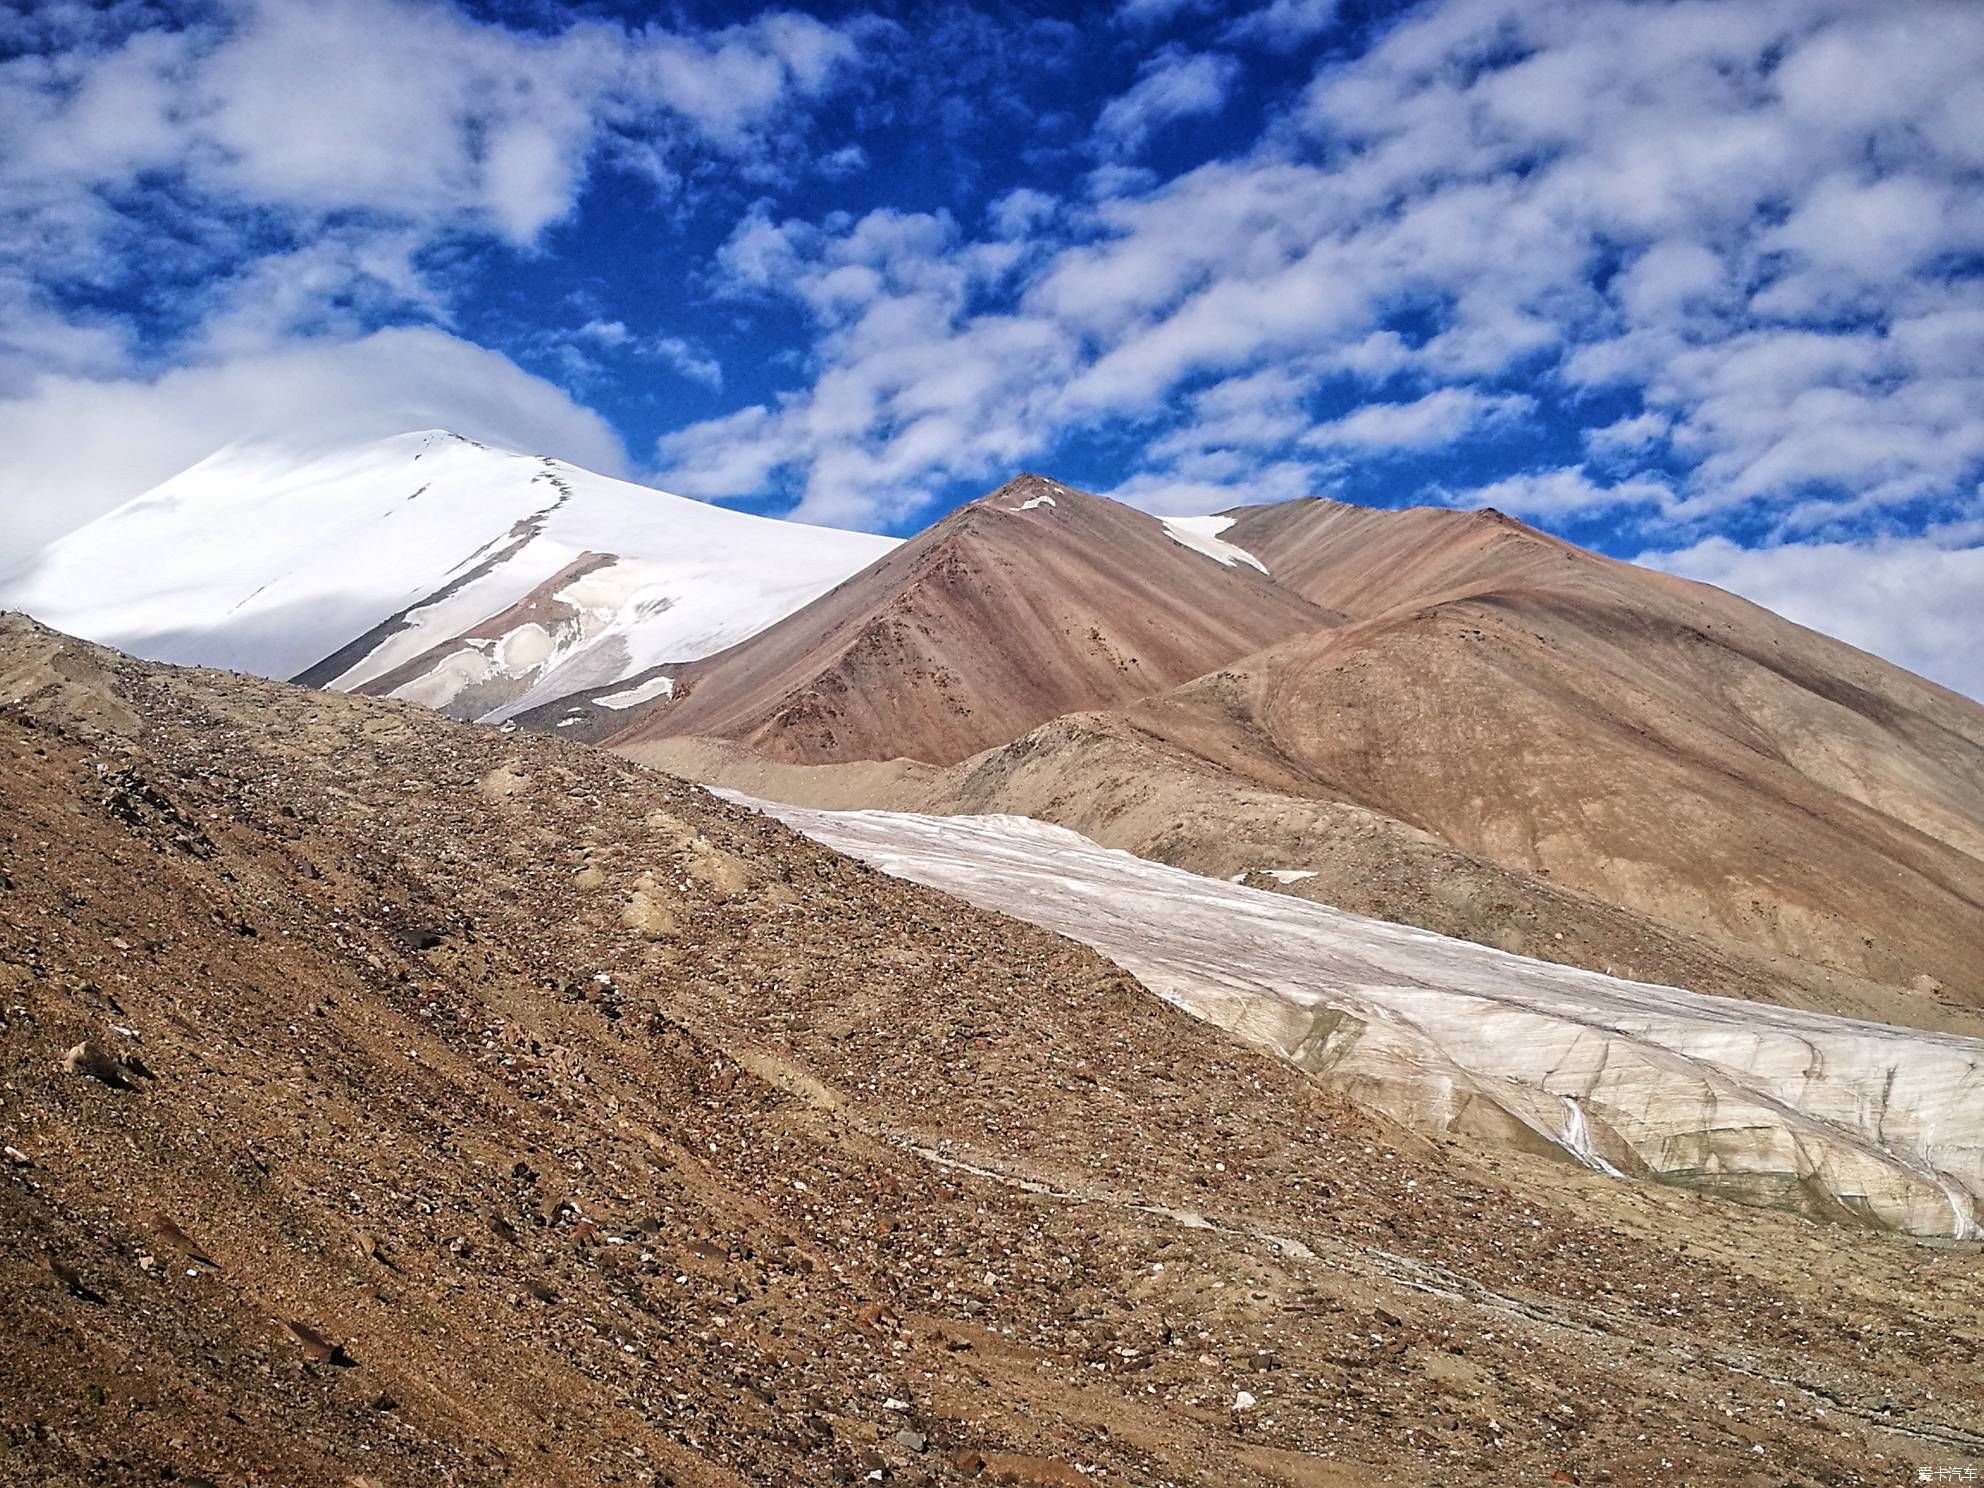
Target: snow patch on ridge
column 1201, row 535
column 646, row 692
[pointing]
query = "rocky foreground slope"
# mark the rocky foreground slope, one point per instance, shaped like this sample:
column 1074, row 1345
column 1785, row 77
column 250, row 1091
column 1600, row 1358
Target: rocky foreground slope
column 386, row 1100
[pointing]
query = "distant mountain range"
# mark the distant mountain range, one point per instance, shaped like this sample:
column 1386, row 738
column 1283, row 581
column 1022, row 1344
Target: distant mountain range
column 1443, row 718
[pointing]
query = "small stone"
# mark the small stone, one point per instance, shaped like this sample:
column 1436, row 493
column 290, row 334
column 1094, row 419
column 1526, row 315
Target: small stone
column 317, row 1347
column 646, row 914
column 91, row 1059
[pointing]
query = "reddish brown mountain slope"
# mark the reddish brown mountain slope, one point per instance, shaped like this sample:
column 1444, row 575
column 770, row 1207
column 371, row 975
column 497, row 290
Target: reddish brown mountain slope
column 1643, row 764
column 1849, row 722
column 1369, row 560
column 1028, row 603
column 1525, row 743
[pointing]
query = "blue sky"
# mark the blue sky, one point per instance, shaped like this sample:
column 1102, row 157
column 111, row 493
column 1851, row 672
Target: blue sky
column 1697, row 283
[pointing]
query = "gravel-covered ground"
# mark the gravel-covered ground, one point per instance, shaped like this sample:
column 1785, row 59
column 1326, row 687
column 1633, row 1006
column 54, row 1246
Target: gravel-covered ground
column 387, row 1100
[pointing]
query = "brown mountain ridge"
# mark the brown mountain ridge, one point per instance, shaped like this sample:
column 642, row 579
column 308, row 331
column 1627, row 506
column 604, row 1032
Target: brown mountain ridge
column 1503, row 737
column 1030, row 602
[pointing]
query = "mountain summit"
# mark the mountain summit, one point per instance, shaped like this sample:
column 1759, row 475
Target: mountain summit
column 1441, row 717
column 1027, row 603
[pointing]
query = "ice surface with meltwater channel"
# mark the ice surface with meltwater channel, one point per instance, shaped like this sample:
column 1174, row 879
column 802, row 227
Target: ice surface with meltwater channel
column 1623, row 1077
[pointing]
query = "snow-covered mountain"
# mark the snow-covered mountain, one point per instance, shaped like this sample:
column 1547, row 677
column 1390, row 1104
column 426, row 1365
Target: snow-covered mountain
column 426, row 566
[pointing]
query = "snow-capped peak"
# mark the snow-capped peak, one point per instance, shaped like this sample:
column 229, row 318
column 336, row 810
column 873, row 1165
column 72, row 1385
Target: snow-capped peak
column 429, row 566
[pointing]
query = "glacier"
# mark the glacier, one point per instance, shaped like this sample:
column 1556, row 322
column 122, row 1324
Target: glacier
column 1825, row 1115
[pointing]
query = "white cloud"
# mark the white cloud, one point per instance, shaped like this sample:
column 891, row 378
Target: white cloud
column 409, row 109
column 692, row 360
column 1564, row 492
column 1439, row 418
column 906, row 395
column 72, row 448
column 1283, row 23
column 298, row 161
column 1626, row 436
column 1261, row 410
column 1020, row 211
column 1762, row 219
column 1179, row 494
column 337, row 285
column 687, row 358
column 1173, row 85
column 1147, row 13
column 1875, row 230
column 1915, row 601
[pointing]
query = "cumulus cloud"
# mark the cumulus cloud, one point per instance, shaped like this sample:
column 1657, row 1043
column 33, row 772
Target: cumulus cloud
column 1143, row 14
column 412, row 110
column 1564, row 492
column 1214, row 485
column 1913, row 600
column 72, row 448
column 578, row 352
column 274, row 167
column 1626, row 436
column 907, row 395
column 1759, row 220
column 1258, row 411
column 1439, row 418
column 1282, row 24
column 1176, row 84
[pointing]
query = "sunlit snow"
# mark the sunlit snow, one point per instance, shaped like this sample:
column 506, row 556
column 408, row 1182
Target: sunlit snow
column 271, row 560
column 1202, row 535
column 646, row 692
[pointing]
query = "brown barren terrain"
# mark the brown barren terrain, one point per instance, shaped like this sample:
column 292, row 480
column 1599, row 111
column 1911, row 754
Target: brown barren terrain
column 1522, row 743
column 1030, row 602
column 388, row 1100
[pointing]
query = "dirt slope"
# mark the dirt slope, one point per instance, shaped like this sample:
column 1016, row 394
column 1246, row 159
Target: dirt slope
column 1031, row 602
column 1527, row 744
column 389, row 1101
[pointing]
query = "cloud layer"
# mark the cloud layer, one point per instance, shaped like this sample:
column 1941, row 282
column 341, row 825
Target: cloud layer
column 206, row 217
column 1757, row 228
